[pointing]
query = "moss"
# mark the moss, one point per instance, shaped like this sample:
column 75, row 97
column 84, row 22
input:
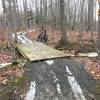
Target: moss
column 76, row 46
column 7, row 91
column 68, row 46
column 97, row 87
column 15, row 81
column 90, row 48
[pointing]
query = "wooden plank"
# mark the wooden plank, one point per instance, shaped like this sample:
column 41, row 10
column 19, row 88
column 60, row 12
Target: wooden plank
column 39, row 51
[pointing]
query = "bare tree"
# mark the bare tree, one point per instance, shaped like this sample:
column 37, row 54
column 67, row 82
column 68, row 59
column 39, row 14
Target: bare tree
column 61, row 14
column 98, row 41
column 63, row 39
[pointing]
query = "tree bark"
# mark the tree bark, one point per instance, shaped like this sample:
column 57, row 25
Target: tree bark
column 98, row 40
column 63, row 39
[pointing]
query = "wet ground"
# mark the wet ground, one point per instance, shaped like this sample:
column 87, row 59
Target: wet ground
column 57, row 79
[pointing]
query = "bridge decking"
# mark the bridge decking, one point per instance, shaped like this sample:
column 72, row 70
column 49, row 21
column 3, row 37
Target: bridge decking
column 39, row 51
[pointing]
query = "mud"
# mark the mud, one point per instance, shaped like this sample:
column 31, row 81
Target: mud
column 51, row 82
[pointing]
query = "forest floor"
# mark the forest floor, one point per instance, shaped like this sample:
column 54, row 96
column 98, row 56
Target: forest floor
column 92, row 65
column 12, row 75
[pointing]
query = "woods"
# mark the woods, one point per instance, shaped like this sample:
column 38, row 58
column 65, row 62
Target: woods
column 57, row 15
column 66, row 22
column 51, row 45
column 75, row 14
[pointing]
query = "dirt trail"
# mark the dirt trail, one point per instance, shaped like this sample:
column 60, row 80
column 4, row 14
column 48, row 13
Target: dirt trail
column 52, row 82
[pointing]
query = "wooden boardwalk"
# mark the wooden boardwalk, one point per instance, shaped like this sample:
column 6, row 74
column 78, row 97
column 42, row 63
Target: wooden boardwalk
column 39, row 51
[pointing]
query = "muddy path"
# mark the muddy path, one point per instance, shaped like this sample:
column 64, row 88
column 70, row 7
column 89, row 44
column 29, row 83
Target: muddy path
column 56, row 79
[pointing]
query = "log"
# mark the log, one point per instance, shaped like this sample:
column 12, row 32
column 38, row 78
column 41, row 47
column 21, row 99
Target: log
column 5, row 65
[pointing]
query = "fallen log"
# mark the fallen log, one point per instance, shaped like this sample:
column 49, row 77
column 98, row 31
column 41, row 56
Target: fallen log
column 91, row 54
column 5, row 65
column 16, row 62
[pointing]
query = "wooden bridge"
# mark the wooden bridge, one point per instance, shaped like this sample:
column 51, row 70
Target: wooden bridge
column 34, row 51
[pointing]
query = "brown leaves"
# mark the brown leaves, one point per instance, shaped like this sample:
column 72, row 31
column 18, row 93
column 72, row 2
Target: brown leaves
column 18, row 72
column 5, row 57
column 3, row 80
column 10, row 73
column 91, row 66
column 32, row 35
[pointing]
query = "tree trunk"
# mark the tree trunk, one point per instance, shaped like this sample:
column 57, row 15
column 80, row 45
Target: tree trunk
column 98, row 40
column 63, row 39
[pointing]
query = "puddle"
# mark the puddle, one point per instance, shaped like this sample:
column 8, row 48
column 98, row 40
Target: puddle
column 75, row 86
column 31, row 93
